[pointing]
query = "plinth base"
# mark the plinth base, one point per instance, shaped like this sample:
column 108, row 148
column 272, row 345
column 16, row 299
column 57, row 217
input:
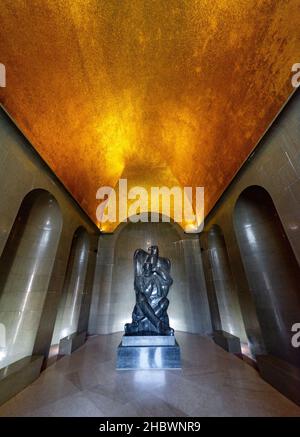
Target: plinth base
column 69, row 344
column 148, row 352
column 282, row 375
column 227, row 341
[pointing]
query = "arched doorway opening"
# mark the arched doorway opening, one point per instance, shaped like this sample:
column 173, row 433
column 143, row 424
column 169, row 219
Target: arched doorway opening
column 70, row 303
column 26, row 265
column 272, row 272
column 225, row 314
column 114, row 301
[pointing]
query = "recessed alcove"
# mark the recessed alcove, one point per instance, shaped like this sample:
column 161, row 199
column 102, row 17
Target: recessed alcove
column 114, row 297
column 25, row 268
column 70, row 303
column 224, row 305
column 272, row 271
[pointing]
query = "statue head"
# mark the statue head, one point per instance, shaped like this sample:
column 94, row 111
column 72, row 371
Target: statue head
column 153, row 250
column 147, row 268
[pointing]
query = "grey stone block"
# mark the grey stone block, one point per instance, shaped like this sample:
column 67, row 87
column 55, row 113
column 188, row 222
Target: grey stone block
column 280, row 374
column 148, row 357
column 148, row 340
column 69, row 344
column 16, row 376
column 227, row 341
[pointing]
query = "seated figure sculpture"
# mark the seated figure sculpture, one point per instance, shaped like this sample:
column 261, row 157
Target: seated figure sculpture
column 152, row 281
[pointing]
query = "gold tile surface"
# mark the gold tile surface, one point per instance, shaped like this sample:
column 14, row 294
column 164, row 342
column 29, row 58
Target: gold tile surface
column 161, row 91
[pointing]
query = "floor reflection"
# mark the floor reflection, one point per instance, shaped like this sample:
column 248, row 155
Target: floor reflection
column 212, row 382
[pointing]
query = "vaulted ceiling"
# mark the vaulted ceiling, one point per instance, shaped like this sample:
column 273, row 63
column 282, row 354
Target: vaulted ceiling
column 161, row 92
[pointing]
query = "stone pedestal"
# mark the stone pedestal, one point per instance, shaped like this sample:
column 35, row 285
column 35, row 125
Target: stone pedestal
column 282, row 375
column 227, row 341
column 148, row 352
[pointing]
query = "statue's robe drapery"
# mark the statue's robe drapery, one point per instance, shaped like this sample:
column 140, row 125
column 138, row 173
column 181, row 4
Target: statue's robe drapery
column 152, row 281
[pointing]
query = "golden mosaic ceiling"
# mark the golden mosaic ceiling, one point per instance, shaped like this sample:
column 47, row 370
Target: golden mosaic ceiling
column 163, row 92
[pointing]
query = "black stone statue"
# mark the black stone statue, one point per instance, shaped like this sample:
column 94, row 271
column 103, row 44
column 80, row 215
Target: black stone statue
column 152, row 281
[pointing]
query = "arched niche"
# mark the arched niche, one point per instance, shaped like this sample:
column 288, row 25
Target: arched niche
column 74, row 286
column 208, row 268
column 114, row 300
column 223, row 281
column 221, row 287
column 25, row 269
column 271, row 268
column 131, row 237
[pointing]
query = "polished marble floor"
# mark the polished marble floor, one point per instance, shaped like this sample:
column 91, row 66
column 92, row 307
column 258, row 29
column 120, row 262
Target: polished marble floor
column 212, row 382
